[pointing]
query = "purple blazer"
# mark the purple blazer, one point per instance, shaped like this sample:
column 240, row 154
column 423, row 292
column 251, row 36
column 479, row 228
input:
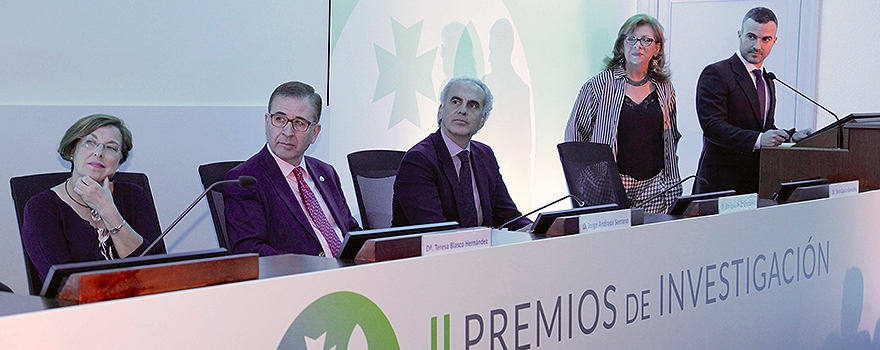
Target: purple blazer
column 424, row 191
column 267, row 218
column 729, row 113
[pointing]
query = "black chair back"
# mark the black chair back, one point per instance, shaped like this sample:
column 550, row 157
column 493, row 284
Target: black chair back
column 25, row 187
column 211, row 173
column 373, row 173
column 591, row 173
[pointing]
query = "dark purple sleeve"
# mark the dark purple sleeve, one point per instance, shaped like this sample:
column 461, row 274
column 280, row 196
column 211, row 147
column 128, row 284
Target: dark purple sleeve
column 503, row 207
column 246, row 218
column 42, row 234
column 136, row 207
column 416, row 198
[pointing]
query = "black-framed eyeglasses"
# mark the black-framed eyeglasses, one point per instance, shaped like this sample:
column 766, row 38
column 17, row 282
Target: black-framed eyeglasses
column 280, row 120
column 646, row 41
column 93, row 145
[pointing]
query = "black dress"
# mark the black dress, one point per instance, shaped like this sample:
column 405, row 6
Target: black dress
column 640, row 138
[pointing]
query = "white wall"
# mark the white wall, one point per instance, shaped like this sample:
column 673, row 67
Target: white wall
column 191, row 80
column 848, row 78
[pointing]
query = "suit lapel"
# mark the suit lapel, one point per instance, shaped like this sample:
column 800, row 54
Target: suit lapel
column 481, row 176
column 743, row 78
column 447, row 166
column 280, row 186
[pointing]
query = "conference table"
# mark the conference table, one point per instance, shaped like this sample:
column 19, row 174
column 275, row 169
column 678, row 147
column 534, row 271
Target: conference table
column 801, row 275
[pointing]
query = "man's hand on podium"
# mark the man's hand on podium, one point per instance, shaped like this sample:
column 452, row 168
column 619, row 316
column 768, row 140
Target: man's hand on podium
column 773, row 138
column 801, row 134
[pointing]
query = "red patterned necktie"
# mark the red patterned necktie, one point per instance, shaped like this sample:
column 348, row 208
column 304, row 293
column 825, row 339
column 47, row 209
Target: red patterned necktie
column 314, row 209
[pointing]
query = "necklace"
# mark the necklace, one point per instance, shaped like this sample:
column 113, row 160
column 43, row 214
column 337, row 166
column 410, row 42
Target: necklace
column 94, row 213
column 636, row 83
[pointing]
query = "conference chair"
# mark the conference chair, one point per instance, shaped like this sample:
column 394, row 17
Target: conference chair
column 373, row 173
column 211, row 173
column 591, row 173
column 25, row 187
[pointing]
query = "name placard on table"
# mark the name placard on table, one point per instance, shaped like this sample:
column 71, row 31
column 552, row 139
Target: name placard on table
column 605, row 221
column 841, row 189
column 457, row 241
column 733, row 204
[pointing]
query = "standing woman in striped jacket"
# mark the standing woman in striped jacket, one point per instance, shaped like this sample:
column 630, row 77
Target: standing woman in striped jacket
column 630, row 106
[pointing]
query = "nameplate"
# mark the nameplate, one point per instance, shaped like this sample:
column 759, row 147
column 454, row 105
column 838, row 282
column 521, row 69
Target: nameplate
column 605, row 221
column 733, row 204
column 842, row 189
column 458, row 241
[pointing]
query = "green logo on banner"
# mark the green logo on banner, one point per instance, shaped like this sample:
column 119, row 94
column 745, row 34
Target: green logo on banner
column 340, row 321
column 405, row 73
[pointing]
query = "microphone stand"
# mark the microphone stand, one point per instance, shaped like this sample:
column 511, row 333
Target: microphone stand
column 241, row 180
column 576, row 199
column 839, row 126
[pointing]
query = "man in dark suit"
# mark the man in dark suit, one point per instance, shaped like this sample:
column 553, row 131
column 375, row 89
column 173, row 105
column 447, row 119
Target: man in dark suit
column 446, row 176
column 297, row 205
column 735, row 105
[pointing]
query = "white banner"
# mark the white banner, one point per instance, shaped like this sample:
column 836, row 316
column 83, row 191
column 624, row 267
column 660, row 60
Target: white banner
column 797, row 276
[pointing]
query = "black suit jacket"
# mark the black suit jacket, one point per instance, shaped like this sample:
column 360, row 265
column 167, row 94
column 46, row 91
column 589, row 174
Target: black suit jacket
column 267, row 219
column 729, row 113
column 427, row 185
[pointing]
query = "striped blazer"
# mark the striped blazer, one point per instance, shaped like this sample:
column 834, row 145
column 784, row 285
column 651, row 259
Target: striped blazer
column 596, row 112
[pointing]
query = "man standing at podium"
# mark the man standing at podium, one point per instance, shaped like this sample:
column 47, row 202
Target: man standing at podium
column 297, row 205
column 448, row 177
column 735, row 104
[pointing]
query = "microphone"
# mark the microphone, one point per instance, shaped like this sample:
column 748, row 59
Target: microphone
column 772, row 76
column 700, row 179
column 243, row 181
column 576, row 199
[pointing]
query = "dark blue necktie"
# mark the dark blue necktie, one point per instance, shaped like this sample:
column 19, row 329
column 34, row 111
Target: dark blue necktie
column 467, row 211
column 762, row 92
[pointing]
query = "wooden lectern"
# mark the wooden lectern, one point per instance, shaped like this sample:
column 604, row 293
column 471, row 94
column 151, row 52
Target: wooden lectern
column 818, row 156
column 92, row 281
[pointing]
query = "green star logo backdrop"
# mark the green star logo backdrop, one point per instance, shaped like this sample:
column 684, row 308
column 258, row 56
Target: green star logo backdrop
column 389, row 60
column 341, row 321
column 406, row 73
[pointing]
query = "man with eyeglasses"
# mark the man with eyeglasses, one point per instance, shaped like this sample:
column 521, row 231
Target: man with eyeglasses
column 448, row 177
column 297, row 205
column 735, row 104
